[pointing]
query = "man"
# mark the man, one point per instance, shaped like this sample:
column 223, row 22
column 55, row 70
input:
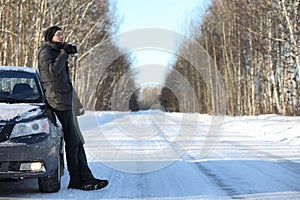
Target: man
column 53, row 67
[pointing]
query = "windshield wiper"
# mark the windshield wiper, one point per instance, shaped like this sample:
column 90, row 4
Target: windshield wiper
column 11, row 100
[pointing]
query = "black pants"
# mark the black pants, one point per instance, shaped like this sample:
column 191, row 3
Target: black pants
column 76, row 159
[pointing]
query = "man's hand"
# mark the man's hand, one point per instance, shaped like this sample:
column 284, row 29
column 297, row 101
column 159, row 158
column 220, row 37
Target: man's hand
column 70, row 48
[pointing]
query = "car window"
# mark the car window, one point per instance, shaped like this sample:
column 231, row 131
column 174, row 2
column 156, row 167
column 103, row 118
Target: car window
column 19, row 87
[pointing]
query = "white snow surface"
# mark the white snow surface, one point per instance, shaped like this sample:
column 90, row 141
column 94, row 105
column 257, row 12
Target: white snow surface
column 19, row 68
column 166, row 156
column 9, row 111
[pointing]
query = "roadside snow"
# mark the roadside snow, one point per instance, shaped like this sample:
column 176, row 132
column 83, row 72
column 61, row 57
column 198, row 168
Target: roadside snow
column 275, row 128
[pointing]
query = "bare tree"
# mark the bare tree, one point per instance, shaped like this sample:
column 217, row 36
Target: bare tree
column 255, row 45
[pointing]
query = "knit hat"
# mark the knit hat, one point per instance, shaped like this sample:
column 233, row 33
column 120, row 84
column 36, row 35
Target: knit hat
column 49, row 32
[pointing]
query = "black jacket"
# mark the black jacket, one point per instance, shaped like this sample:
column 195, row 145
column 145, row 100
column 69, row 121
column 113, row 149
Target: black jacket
column 54, row 71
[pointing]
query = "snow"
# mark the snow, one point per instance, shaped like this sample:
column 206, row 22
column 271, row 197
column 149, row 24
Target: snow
column 271, row 127
column 22, row 110
column 166, row 156
column 19, row 68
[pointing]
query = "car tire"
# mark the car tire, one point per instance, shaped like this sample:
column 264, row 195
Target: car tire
column 62, row 165
column 51, row 183
column 62, row 161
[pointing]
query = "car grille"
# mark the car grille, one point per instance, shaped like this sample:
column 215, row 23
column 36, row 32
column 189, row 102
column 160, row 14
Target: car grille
column 5, row 131
column 10, row 166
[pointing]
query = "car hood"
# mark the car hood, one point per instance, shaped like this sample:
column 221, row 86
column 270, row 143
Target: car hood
column 20, row 111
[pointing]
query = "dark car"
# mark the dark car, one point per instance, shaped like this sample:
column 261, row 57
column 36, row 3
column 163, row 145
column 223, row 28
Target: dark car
column 31, row 140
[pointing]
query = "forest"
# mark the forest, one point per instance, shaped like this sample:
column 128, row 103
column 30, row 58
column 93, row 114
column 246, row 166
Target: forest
column 239, row 57
column 255, row 47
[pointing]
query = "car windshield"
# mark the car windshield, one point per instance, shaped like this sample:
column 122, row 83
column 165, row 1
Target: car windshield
column 19, row 87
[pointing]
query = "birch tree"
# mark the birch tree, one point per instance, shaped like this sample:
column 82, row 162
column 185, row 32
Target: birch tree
column 255, row 45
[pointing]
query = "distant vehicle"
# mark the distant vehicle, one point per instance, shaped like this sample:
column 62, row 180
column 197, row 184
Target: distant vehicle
column 31, row 142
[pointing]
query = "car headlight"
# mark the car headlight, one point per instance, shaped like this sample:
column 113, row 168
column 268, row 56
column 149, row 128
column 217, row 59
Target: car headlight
column 31, row 128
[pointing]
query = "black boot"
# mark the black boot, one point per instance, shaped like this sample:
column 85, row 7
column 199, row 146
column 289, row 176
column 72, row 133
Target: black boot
column 94, row 184
column 74, row 186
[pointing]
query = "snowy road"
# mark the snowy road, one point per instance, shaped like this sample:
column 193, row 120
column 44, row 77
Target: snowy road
column 154, row 155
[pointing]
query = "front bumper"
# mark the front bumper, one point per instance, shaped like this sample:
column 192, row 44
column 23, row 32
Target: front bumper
column 39, row 148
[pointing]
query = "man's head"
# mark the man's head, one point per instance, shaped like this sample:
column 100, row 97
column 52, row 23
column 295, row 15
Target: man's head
column 54, row 34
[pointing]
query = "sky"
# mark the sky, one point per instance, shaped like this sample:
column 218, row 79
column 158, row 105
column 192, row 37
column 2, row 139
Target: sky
column 171, row 15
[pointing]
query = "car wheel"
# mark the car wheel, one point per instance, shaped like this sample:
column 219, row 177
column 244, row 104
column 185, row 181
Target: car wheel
column 62, row 165
column 51, row 183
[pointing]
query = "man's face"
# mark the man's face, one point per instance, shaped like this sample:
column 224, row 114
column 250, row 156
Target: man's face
column 59, row 36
